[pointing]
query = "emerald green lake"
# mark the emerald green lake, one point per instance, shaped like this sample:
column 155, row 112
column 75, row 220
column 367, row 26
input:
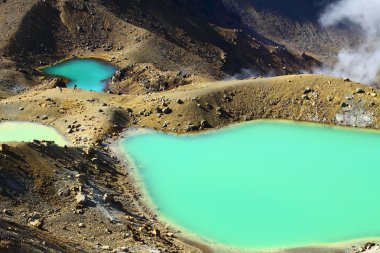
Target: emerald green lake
column 87, row 74
column 263, row 185
column 27, row 132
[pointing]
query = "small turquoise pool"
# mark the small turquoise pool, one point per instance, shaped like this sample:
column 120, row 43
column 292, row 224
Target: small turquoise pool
column 265, row 184
column 17, row 131
column 87, row 74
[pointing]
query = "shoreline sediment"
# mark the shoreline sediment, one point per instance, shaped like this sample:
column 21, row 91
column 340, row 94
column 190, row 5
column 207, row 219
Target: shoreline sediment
column 240, row 101
column 191, row 237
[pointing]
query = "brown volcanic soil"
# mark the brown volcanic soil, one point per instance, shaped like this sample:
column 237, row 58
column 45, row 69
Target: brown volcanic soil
column 171, row 53
column 295, row 24
column 169, row 35
column 41, row 181
column 312, row 98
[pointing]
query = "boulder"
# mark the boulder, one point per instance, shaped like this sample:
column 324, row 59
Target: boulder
column 221, row 112
column 81, row 178
column 158, row 110
column 89, row 151
column 192, row 127
column 58, row 82
column 359, row 90
column 307, row 90
column 205, row 124
column 108, row 198
column 122, row 249
column 81, row 200
column 156, row 232
column 369, row 245
column 167, row 110
column 4, row 147
column 7, row 212
column 38, row 223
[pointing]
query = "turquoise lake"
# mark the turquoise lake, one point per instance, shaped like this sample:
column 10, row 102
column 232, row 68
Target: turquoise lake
column 26, row 131
column 87, row 74
column 264, row 184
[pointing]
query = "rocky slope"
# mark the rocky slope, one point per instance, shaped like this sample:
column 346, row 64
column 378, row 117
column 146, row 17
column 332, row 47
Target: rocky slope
column 56, row 199
column 82, row 199
column 208, row 40
column 295, row 24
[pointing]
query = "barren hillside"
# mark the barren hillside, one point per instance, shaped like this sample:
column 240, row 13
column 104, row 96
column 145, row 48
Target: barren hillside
column 294, row 24
column 180, row 65
column 208, row 40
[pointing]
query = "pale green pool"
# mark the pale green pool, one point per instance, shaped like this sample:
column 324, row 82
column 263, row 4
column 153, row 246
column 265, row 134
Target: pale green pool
column 25, row 131
column 87, row 74
column 264, row 184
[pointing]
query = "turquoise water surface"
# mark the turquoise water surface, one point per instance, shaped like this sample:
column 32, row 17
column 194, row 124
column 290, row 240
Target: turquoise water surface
column 26, row 131
column 264, row 184
column 87, row 74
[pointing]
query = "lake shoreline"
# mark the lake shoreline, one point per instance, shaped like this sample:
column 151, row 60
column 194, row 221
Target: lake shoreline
column 193, row 239
column 187, row 236
column 67, row 70
column 248, row 98
column 137, row 189
column 50, row 133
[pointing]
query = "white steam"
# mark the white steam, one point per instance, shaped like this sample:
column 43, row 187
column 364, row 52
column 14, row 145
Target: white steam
column 361, row 63
column 243, row 74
